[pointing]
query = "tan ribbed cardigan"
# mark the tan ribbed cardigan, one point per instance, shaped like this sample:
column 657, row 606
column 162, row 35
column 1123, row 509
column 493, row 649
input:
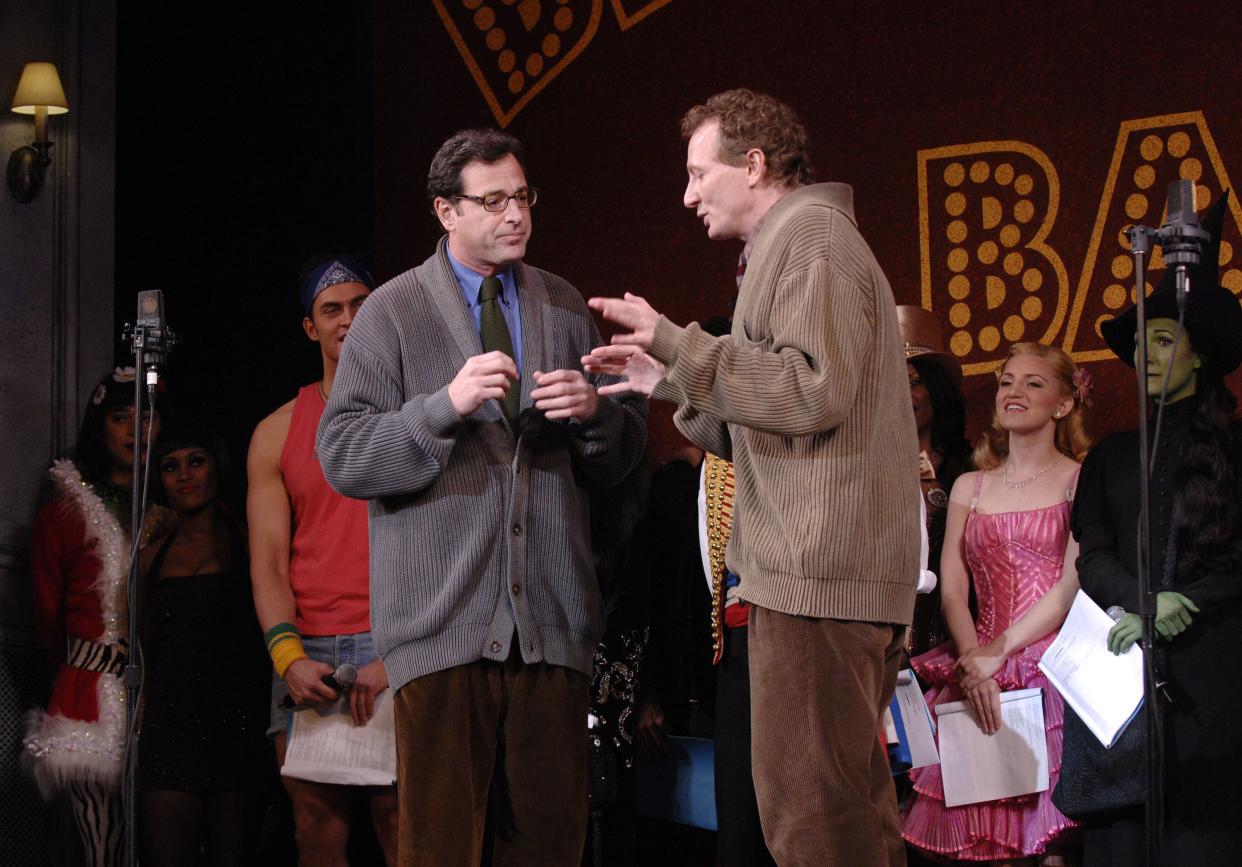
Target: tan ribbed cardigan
column 809, row 398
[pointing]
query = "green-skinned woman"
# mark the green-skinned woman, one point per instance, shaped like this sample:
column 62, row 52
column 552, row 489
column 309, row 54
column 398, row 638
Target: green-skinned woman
column 1195, row 528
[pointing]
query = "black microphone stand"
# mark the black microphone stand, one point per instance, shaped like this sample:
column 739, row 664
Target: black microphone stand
column 149, row 343
column 1140, row 244
column 1180, row 244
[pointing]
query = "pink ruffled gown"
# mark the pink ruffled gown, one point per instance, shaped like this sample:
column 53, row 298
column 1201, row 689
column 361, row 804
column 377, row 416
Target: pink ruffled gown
column 1014, row 558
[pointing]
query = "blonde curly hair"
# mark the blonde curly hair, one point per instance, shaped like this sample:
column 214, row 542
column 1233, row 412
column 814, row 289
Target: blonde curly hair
column 1071, row 436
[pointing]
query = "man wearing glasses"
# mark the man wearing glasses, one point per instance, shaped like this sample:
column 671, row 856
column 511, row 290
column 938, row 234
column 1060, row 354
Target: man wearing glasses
column 460, row 412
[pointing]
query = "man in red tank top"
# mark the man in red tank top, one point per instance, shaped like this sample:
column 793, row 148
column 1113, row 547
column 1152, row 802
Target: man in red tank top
column 309, row 568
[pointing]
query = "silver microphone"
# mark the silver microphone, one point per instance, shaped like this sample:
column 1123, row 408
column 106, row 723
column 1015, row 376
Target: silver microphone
column 340, row 680
column 343, row 678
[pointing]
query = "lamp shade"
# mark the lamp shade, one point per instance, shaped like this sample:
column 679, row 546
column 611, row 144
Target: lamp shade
column 40, row 85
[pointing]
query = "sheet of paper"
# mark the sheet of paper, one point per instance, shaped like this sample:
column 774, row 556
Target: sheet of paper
column 916, row 720
column 890, row 727
column 329, row 748
column 1104, row 690
column 976, row 767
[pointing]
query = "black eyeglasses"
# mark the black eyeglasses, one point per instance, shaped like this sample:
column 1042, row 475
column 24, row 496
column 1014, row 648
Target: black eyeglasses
column 497, row 202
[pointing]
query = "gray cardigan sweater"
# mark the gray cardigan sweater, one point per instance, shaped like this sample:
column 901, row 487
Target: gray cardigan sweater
column 473, row 532
column 808, row 397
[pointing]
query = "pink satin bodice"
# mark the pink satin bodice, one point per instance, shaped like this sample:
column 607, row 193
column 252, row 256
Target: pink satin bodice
column 1014, row 558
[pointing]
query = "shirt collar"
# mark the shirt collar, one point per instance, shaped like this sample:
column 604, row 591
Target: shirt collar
column 471, row 281
column 754, row 233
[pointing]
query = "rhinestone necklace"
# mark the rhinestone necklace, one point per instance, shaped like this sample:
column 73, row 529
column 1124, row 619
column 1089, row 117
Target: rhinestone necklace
column 1022, row 484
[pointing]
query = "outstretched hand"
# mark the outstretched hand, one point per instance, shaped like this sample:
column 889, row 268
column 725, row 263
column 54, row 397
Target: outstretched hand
column 640, row 372
column 632, row 312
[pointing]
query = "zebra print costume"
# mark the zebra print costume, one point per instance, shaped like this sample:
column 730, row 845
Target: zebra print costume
column 100, row 820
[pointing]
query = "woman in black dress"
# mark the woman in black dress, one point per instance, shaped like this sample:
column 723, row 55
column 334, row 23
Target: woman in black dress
column 1196, row 566
column 204, row 764
column 940, row 420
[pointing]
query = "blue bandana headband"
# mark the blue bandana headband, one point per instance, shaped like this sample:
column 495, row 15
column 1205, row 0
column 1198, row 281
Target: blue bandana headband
column 331, row 273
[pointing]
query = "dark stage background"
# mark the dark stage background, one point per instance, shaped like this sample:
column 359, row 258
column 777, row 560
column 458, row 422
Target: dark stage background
column 244, row 145
column 996, row 150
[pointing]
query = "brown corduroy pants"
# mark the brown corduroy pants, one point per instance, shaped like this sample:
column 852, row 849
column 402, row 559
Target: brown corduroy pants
column 516, row 727
column 818, row 688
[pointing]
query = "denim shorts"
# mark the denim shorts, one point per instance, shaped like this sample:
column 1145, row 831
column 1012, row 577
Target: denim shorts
column 335, row 650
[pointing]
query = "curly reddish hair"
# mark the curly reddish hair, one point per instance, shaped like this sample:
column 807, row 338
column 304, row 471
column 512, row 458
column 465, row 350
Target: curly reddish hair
column 756, row 120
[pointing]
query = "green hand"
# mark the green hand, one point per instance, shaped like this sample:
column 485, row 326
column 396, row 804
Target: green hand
column 1127, row 631
column 1173, row 614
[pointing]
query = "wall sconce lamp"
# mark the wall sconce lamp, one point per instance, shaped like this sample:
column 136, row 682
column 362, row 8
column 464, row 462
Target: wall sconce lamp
column 38, row 93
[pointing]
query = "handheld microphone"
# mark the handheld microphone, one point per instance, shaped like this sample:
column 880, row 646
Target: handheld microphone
column 343, row 678
column 340, row 680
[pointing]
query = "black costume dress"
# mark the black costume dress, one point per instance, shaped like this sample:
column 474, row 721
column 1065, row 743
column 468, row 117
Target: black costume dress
column 927, row 629
column 208, row 684
column 1203, row 740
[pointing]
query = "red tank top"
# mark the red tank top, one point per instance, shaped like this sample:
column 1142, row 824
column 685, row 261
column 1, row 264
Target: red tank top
column 328, row 566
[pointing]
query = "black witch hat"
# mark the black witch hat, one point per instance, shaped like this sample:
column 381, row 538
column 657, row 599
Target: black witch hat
column 1213, row 316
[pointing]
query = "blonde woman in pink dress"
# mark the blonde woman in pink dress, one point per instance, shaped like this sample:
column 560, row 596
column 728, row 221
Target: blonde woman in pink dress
column 1008, row 532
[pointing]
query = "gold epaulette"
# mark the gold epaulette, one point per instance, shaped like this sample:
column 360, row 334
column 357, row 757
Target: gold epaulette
column 718, row 493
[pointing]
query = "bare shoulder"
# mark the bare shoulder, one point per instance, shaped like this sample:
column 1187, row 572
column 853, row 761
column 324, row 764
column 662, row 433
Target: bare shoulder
column 1067, row 476
column 964, row 488
column 270, row 434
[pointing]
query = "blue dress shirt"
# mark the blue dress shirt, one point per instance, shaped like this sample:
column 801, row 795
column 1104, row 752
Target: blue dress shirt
column 471, row 282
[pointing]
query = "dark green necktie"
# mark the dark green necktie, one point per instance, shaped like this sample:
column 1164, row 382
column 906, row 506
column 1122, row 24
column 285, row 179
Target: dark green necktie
column 495, row 333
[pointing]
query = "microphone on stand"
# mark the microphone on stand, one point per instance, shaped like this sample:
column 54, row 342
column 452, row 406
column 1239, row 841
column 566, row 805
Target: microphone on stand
column 151, row 341
column 1180, row 237
column 156, row 338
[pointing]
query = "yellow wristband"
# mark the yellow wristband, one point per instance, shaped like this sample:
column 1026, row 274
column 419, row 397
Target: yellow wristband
column 286, row 652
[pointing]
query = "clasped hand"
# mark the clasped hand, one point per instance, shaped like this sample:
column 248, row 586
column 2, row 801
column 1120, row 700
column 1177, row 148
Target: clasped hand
column 976, row 672
column 979, row 664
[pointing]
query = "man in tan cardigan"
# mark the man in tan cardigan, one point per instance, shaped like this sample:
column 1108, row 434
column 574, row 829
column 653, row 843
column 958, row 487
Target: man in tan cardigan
column 808, row 397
